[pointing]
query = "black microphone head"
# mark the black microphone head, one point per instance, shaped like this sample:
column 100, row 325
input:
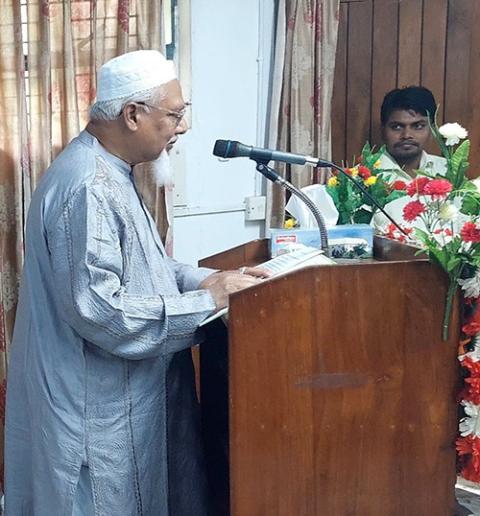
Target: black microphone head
column 225, row 149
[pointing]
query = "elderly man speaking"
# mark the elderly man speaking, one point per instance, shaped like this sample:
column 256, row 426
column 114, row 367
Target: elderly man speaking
column 101, row 407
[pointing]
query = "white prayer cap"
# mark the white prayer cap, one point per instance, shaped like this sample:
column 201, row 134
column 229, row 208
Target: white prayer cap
column 133, row 72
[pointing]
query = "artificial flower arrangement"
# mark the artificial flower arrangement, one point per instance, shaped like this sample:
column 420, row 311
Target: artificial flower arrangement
column 442, row 217
column 442, row 214
column 354, row 207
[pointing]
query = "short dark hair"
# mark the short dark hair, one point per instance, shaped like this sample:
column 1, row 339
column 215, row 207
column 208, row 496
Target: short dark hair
column 411, row 98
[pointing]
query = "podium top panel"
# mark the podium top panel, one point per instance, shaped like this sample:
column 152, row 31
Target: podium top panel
column 257, row 251
column 385, row 249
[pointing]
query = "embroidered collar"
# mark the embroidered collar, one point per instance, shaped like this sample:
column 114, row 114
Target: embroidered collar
column 118, row 163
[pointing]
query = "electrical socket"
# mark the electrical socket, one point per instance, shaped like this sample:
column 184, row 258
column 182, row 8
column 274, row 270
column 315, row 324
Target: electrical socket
column 255, row 207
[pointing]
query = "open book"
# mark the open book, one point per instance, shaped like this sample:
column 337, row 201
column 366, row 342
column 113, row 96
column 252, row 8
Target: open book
column 302, row 257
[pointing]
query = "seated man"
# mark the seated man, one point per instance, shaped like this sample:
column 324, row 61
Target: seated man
column 406, row 132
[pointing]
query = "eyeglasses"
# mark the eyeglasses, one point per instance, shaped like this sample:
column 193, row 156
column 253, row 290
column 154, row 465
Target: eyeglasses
column 178, row 116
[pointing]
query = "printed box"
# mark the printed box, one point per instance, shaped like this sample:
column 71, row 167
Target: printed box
column 345, row 241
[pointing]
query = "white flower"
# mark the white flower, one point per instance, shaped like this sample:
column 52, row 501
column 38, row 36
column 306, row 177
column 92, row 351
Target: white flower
column 470, row 425
column 471, row 286
column 453, row 133
column 448, row 211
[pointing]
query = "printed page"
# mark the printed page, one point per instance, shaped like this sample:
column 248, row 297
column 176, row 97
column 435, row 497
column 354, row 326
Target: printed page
column 302, row 257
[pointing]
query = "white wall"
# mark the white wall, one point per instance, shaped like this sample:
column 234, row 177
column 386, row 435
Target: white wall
column 230, row 73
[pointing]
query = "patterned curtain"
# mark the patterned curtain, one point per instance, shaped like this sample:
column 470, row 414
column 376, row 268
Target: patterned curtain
column 13, row 179
column 306, row 42
column 44, row 101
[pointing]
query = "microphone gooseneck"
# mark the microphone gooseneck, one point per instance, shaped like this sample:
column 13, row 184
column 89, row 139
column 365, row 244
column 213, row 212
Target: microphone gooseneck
column 270, row 174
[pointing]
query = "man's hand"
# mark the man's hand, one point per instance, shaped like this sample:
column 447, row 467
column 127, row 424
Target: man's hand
column 222, row 284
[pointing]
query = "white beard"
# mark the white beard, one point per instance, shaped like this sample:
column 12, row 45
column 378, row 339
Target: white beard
column 162, row 170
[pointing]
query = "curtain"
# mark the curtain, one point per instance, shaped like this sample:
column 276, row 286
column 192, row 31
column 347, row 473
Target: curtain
column 304, row 65
column 44, row 102
column 14, row 175
column 67, row 42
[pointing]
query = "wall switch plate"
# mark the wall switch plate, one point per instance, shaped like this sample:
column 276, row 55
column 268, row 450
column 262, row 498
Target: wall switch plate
column 255, row 207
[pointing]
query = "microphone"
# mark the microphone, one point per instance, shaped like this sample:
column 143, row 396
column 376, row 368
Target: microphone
column 232, row 149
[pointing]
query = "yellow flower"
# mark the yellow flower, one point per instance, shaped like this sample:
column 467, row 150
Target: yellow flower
column 289, row 223
column 333, row 181
column 370, row 181
column 376, row 164
column 354, row 171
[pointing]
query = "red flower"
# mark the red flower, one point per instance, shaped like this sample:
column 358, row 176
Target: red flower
column 470, row 232
column 469, row 449
column 392, row 232
column 364, row 172
column 471, row 329
column 469, row 472
column 444, row 231
column 472, row 365
column 471, row 391
column 438, row 188
column 464, row 445
column 399, row 185
column 412, row 210
column 417, row 186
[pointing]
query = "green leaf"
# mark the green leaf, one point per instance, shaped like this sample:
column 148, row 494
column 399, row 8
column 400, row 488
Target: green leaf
column 377, row 155
column 362, row 216
column 333, row 192
column 366, row 151
column 471, row 204
column 344, row 217
column 434, row 259
column 396, row 194
column 441, row 141
column 453, row 263
column 470, row 186
column 440, row 256
column 370, row 157
column 460, row 156
column 423, row 236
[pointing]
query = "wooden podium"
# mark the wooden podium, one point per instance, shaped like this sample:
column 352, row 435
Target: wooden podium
column 331, row 392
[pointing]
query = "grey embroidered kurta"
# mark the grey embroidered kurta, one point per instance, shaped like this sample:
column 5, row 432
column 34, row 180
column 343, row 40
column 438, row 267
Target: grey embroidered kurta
column 100, row 369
